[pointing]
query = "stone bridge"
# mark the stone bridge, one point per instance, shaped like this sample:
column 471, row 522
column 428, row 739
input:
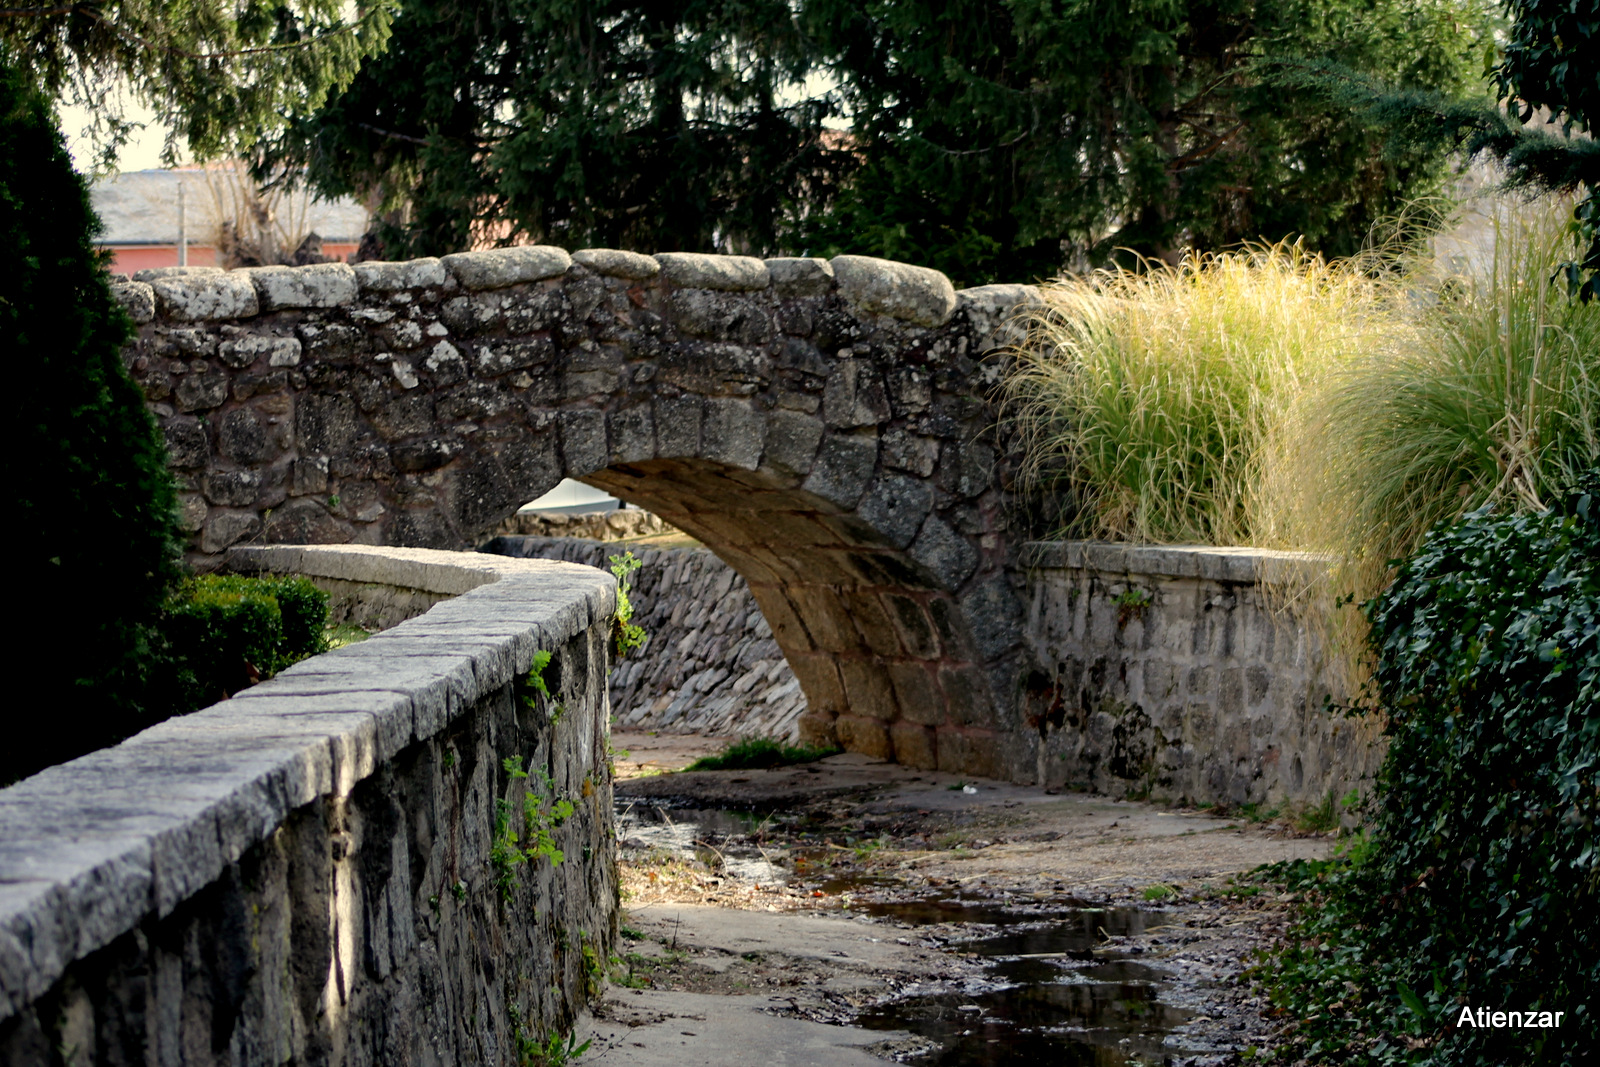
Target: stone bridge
column 824, row 426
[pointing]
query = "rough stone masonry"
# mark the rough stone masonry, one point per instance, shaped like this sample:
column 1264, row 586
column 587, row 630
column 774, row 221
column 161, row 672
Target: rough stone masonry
column 823, row 425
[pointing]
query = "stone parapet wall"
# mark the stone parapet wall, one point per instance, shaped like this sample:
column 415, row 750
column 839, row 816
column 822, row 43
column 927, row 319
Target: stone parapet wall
column 1171, row 676
column 306, row 873
column 711, row 664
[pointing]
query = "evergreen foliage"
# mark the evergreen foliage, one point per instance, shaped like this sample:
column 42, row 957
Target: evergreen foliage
column 993, row 139
column 1549, row 69
column 1480, row 886
column 92, row 513
column 224, row 633
column 591, row 123
column 215, row 73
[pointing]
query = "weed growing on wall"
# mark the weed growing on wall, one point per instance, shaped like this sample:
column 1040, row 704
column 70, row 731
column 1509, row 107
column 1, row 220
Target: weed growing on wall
column 543, row 811
column 625, row 636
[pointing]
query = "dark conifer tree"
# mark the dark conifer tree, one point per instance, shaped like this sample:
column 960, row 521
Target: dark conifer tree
column 92, row 527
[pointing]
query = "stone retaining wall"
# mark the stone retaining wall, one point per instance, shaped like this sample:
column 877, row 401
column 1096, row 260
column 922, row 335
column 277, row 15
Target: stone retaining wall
column 711, row 664
column 610, row 526
column 1170, row 676
column 306, row 873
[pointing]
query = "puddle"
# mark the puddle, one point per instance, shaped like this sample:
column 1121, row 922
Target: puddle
column 954, row 909
column 717, row 836
column 1047, row 997
column 1103, row 1024
column 1074, row 936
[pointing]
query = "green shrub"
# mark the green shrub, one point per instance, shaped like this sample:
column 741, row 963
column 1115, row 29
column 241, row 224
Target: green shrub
column 94, row 540
column 759, row 753
column 223, row 633
column 1480, row 886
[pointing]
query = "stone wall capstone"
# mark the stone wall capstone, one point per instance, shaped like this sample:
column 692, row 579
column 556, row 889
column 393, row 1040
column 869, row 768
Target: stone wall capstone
column 306, row 873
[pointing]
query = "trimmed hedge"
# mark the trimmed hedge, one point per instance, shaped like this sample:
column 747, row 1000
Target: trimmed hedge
column 224, row 633
column 1480, row 884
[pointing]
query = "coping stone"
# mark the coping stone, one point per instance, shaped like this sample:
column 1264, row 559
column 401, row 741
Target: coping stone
column 137, row 298
column 695, row 270
column 1221, row 564
column 882, row 286
column 152, row 273
column 206, row 297
column 801, row 276
column 497, row 268
column 617, row 263
column 320, row 285
column 382, row 277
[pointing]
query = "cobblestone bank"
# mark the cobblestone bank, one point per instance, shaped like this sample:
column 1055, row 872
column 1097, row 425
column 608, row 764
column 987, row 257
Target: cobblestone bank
column 711, row 664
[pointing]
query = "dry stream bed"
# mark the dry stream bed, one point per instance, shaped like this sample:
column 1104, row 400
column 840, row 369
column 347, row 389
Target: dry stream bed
column 853, row 912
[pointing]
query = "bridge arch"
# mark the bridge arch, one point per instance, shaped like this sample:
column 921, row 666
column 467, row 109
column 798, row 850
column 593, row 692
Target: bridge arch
column 823, row 426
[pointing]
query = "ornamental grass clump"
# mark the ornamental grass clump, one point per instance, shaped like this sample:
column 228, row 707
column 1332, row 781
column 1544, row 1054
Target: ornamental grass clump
column 1148, row 395
column 1489, row 394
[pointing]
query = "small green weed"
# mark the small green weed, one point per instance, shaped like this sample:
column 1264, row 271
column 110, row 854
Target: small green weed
column 625, row 636
column 542, row 813
column 755, row 753
column 1159, row 892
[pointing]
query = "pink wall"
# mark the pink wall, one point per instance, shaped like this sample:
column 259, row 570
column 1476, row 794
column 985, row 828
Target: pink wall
column 129, row 258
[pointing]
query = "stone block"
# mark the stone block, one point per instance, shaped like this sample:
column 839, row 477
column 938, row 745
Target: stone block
column 826, row 618
column 632, row 434
column 733, row 433
column 873, row 623
column 187, row 447
column 816, row 729
column 694, row 270
column 206, row 297
column 854, row 396
column 882, row 286
column 800, row 276
column 228, row 528
column 231, row 489
column 242, row 438
column 381, row 277
column 792, row 440
column 869, row 737
column 843, row 467
column 305, row 522
column 502, row 267
column 948, row 556
column 966, row 751
column 310, row 475
column 895, row 507
column 966, row 693
column 150, row 274
column 583, row 441
column 918, row 636
column 998, row 313
column 994, row 615
column 137, row 299
column 321, row 285
column 867, row 690
column 678, row 420
column 617, row 263
column 914, row 745
column 916, row 691
column 819, row 679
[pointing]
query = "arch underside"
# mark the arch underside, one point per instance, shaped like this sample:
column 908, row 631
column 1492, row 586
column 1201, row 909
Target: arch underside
column 883, row 652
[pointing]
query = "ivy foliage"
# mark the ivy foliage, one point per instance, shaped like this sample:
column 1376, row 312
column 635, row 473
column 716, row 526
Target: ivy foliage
column 993, row 139
column 1480, row 886
column 215, row 73
column 91, row 516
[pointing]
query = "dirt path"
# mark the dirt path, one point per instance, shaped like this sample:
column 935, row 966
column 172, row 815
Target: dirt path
column 853, row 912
